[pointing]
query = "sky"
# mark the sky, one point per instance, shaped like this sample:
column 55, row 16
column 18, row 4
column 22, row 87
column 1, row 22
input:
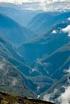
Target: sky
column 20, row 1
column 36, row 4
column 41, row 1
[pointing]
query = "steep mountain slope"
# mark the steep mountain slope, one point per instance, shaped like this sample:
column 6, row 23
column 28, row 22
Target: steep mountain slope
column 13, row 32
column 48, row 56
column 43, row 22
column 41, row 59
column 17, row 13
column 11, row 80
column 16, row 65
column 46, row 44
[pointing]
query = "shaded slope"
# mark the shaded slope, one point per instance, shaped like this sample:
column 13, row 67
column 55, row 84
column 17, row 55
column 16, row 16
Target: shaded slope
column 13, row 32
column 43, row 22
column 17, row 13
column 40, row 48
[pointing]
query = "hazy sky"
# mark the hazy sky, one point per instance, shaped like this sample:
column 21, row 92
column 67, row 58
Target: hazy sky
column 41, row 1
column 41, row 5
column 20, row 1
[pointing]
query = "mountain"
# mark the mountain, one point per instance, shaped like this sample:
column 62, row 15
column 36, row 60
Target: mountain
column 17, row 13
column 43, row 22
column 11, row 80
column 12, row 32
column 39, row 23
column 41, row 48
column 46, row 44
column 58, row 89
column 14, row 65
column 49, row 56
column 5, row 97
column 51, row 70
column 37, row 55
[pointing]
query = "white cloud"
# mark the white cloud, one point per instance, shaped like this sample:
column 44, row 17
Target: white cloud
column 47, row 97
column 38, row 96
column 20, row 1
column 40, row 4
column 54, row 31
column 65, row 97
column 67, row 30
column 12, row 1
column 68, row 35
column 41, row 1
column 67, row 71
column 68, row 18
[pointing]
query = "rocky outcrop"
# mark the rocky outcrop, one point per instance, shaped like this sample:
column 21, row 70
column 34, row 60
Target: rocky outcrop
column 9, row 99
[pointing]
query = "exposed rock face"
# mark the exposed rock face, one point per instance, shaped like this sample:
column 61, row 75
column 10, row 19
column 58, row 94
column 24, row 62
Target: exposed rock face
column 8, row 99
